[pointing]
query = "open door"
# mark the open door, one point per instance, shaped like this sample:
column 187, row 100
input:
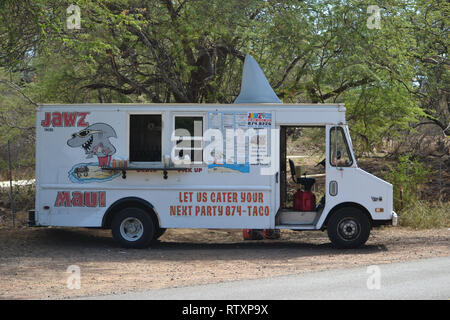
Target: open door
column 302, row 165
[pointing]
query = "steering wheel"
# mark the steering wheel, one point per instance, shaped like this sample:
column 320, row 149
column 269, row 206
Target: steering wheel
column 321, row 163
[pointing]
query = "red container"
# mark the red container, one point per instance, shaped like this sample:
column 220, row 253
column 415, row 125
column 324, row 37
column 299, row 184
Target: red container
column 252, row 234
column 308, row 202
column 298, row 200
column 304, row 201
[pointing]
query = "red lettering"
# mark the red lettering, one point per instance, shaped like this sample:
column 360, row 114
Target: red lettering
column 56, row 119
column 102, row 202
column 81, row 122
column 69, row 119
column 77, row 199
column 90, row 199
column 185, row 196
column 261, row 211
column 46, row 121
column 63, row 199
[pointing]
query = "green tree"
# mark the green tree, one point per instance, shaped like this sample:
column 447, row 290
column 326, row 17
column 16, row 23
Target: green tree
column 315, row 51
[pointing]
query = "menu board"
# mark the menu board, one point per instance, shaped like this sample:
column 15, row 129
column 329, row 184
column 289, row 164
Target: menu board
column 246, row 139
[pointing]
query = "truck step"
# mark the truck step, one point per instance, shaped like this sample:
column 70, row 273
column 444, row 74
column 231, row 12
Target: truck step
column 291, row 217
column 296, row 226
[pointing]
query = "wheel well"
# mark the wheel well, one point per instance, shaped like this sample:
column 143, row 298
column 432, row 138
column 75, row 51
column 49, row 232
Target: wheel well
column 126, row 203
column 348, row 205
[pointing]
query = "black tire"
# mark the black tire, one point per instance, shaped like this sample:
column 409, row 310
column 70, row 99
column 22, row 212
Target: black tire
column 348, row 228
column 133, row 228
column 159, row 232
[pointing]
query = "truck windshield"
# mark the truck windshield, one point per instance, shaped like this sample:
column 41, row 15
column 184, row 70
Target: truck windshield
column 340, row 155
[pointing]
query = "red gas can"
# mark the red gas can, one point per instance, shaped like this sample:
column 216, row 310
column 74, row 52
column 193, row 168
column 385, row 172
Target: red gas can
column 298, row 200
column 308, row 201
column 304, row 201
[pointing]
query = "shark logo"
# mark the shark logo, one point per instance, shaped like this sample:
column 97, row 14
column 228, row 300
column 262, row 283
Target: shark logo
column 94, row 140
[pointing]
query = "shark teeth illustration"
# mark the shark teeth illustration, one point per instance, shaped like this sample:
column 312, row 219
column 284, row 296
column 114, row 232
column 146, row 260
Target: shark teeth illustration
column 87, row 145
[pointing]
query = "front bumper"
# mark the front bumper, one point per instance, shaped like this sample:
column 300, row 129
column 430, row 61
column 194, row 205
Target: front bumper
column 394, row 219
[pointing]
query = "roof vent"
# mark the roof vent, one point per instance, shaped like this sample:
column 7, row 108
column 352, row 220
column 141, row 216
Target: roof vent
column 254, row 87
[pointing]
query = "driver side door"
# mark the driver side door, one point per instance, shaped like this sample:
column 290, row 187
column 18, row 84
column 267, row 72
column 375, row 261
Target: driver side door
column 339, row 165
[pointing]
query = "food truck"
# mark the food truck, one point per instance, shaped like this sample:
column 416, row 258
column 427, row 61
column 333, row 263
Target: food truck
column 139, row 169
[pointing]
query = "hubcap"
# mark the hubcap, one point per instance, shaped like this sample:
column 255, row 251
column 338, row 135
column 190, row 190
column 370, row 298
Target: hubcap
column 348, row 229
column 131, row 229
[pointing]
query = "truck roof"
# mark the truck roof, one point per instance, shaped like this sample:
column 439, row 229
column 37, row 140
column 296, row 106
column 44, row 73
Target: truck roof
column 285, row 114
column 203, row 106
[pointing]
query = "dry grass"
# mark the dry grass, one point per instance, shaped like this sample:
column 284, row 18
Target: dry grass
column 425, row 215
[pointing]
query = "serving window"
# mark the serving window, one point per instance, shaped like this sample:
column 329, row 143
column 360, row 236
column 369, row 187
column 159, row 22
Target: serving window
column 145, row 138
column 189, row 138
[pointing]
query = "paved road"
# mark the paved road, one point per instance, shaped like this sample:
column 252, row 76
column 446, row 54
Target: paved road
column 422, row 279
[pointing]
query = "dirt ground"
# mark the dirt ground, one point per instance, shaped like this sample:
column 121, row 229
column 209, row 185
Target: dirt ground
column 34, row 261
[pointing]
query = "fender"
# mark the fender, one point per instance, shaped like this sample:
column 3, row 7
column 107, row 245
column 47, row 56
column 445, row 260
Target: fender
column 127, row 202
column 322, row 224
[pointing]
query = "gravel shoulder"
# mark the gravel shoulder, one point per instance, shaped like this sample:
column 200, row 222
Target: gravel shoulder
column 34, row 261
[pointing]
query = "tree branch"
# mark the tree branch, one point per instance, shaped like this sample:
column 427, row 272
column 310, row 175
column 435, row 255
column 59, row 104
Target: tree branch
column 288, row 70
column 18, row 89
column 344, row 87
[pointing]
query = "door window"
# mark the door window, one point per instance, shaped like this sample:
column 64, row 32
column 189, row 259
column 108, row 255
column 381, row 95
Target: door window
column 340, row 155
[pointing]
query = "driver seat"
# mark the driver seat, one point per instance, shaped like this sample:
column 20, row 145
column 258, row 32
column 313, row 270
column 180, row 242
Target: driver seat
column 307, row 183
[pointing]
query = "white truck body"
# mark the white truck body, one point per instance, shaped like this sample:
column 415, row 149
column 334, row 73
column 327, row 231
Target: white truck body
column 72, row 188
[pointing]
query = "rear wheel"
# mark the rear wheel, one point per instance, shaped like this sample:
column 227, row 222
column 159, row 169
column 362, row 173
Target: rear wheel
column 133, row 228
column 348, row 228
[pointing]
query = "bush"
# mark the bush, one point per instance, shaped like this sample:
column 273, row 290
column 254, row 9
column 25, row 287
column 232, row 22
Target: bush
column 425, row 215
column 24, row 196
column 406, row 178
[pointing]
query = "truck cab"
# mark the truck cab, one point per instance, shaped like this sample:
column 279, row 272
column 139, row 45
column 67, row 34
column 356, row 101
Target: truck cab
column 353, row 201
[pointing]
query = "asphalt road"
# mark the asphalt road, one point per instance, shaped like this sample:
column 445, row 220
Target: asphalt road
column 421, row 279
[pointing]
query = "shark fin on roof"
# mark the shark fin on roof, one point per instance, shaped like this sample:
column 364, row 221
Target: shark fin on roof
column 254, row 86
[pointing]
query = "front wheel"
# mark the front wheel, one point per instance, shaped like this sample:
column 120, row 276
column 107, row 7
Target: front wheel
column 159, row 232
column 348, row 228
column 133, row 228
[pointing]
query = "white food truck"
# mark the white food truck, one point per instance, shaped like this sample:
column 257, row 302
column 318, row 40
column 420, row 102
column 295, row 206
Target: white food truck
column 139, row 169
